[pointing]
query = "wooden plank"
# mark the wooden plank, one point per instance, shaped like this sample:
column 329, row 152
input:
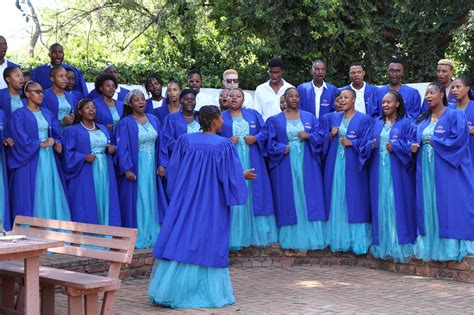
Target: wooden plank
column 117, row 243
column 32, row 286
column 26, row 245
column 92, row 253
column 108, row 302
column 74, row 305
column 74, row 226
column 92, row 304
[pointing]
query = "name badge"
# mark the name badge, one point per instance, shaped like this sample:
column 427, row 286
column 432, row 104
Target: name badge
column 253, row 124
column 307, row 126
column 440, row 129
column 324, row 103
column 351, row 134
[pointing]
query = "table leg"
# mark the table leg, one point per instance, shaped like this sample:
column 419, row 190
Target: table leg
column 32, row 285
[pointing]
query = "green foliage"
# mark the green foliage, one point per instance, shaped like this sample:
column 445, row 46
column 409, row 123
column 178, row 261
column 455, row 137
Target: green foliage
column 170, row 36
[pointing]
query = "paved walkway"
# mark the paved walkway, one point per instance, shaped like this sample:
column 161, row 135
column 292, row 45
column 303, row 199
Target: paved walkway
column 318, row 290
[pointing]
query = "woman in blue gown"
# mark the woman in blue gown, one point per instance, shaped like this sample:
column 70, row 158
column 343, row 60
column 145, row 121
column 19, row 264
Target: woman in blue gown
column 392, row 181
column 171, row 102
column 346, row 179
column 59, row 101
column 465, row 101
column 181, row 122
column 294, row 149
column 89, row 168
column 191, row 266
column 444, row 186
column 254, row 222
column 141, row 194
column 4, row 197
column 36, row 186
column 108, row 110
column 10, row 97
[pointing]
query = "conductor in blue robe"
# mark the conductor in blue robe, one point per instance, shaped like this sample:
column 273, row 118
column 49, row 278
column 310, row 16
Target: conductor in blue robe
column 444, row 184
column 346, row 180
column 392, row 181
column 317, row 96
column 192, row 250
column 253, row 224
column 37, row 186
column 41, row 73
column 411, row 96
column 141, row 194
column 89, row 169
column 4, row 197
column 294, row 147
column 176, row 124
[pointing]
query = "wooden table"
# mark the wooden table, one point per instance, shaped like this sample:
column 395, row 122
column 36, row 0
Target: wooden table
column 29, row 249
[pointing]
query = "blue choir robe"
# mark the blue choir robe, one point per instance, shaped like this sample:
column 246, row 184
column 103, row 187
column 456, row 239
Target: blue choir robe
column 77, row 95
column 453, row 177
column 368, row 95
column 357, row 173
column 175, row 125
column 411, row 97
column 103, row 114
column 5, row 102
column 80, row 178
column 127, row 153
column 403, row 177
column 469, row 112
column 149, row 107
column 280, row 170
column 161, row 112
column 308, row 102
column 325, row 125
column 6, row 206
column 22, row 158
column 41, row 75
column 12, row 64
column 204, row 170
column 261, row 189
column 51, row 102
column 120, row 97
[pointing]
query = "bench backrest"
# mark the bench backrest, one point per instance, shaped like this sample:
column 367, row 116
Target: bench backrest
column 115, row 244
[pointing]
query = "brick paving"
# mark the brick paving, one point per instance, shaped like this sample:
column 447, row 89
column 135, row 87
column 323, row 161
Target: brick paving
column 316, row 289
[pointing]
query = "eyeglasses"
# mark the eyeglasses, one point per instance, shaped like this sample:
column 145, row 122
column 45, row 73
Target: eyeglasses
column 236, row 80
column 36, row 91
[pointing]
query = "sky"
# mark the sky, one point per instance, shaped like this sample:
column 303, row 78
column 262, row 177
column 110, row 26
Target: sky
column 13, row 25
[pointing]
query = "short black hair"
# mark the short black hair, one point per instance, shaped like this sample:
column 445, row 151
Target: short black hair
column 53, row 70
column 7, row 72
column 276, row 63
column 69, row 69
column 55, row 45
column 397, row 60
column 100, row 80
column 152, row 77
column 193, row 71
column 206, row 115
column 350, row 90
column 357, row 64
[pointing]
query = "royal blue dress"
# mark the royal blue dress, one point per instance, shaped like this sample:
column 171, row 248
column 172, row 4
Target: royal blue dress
column 431, row 246
column 343, row 236
column 388, row 241
column 4, row 200
column 193, row 246
column 248, row 229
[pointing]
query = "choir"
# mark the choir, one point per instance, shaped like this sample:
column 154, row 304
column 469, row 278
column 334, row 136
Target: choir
column 354, row 169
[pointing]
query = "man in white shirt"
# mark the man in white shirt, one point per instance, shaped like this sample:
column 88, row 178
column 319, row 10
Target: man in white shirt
column 267, row 95
column 364, row 91
column 230, row 80
column 4, row 63
column 194, row 78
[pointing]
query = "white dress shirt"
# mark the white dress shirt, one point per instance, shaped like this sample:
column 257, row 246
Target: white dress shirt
column 266, row 101
column 360, row 100
column 318, row 91
column 156, row 104
column 203, row 99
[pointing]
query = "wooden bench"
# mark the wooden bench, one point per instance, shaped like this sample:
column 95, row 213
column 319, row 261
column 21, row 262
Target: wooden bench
column 113, row 244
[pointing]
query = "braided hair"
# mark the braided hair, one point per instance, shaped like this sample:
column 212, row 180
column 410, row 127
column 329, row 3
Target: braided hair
column 207, row 114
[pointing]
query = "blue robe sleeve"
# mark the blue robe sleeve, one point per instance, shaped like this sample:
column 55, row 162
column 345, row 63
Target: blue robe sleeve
column 174, row 165
column 316, row 139
column 364, row 130
column 451, row 147
column 231, row 175
column 276, row 149
column 123, row 148
column 25, row 147
column 73, row 159
column 365, row 150
column 168, row 140
column 262, row 135
column 55, row 131
column 401, row 146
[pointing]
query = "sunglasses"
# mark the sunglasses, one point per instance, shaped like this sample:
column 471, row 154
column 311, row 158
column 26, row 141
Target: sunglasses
column 36, row 91
column 236, row 80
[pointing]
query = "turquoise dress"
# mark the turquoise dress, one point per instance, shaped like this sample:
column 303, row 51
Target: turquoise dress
column 246, row 228
column 193, row 127
column 100, row 173
column 64, row 109
column 147, row 196
column 388, row 240
column 431, row 246
column 115, row 115
column 50, row 198
column 304, row 235
column 344, row 236
column 15, row 102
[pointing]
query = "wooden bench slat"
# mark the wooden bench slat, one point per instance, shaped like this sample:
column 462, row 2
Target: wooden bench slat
column 76, row 226
column 120, row 244
column 92, row 253
column 61, row 277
